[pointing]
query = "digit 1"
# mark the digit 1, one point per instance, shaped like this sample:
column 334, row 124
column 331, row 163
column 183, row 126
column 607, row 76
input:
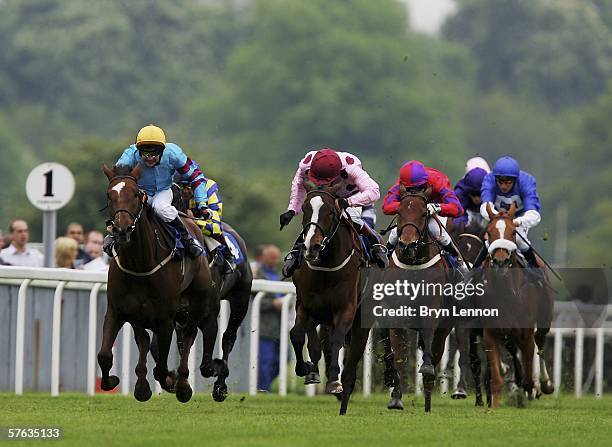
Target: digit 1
column 49, row 184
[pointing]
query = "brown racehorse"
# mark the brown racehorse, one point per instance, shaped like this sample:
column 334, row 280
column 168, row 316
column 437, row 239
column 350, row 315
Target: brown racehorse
column 146, row 283
column 516, row 297
column 326, row 284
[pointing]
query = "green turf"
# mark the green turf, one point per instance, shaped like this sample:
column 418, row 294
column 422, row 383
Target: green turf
column 268, row 420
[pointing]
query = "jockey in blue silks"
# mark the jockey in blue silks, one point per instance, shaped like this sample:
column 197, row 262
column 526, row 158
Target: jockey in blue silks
column 507, row 184
column 467, row 191
column 159, row 161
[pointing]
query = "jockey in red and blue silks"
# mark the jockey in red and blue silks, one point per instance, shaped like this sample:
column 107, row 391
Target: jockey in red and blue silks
column 507, row 184
column 467, row 191
column 358, row 191
column 416, row 178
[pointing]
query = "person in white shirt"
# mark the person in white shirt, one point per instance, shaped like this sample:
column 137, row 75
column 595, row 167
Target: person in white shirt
column 18, row 253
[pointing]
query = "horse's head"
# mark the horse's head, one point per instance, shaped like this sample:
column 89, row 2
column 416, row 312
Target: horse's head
column 412, row 222
column 125, row 201
column 501, row 235
column 321, row 216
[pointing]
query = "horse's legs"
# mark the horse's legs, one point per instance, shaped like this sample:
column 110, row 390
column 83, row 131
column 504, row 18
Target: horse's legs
column 463, row 346
column 527, row 350
column 359, row 338
column 298, row 339
column 183, row 388
column 164, row 339
column 314, row 352
column 427, row 368
column 493, row 361
column 390, row 373
column 209, row 327
column 142, row 390
column 325, row 346
column 546, row 384
column 397, row 349
column 105, row 357
column 342, row 323
column 475, row 365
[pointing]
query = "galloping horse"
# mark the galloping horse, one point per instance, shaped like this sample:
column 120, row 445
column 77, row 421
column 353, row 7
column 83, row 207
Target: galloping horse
column 327, row 284
column 234, row 287
column 416, row 251
column 146, row 283
column 515, row 296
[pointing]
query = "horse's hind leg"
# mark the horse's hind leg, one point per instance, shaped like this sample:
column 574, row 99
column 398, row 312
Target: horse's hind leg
column 105, row 356
column 209, row 327
column 342, row 324
column 546, row 384
column 475, row 365
column 463, row 346
column 164, row 339
column 142, row 390
column 183, row 388
column 427, row 368
column 527, row 350
column 397, row 349
column 493, row 361
column 359, row 338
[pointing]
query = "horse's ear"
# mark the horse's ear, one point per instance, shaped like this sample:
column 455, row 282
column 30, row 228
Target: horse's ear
column 512, row 210
column 136, row 171
column 108, row 172
column 490, row 211
column 428, row 192
column 402, row 190
column 309, row 186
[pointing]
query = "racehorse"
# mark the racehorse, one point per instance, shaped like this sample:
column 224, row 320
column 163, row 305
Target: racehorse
column 516, row 297
column 146, row 283
column 327, row 283
column 415, row 251
column 234, row 287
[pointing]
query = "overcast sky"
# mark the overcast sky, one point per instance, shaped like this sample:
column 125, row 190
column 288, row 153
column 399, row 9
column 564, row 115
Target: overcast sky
column 428, row 15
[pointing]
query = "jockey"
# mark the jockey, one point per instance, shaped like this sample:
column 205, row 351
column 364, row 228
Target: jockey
column 507, row 184
column 209, row 218
column 416, row 178
column 467, row 191
column 476, row 162
column 158, row 161
column 327, row 166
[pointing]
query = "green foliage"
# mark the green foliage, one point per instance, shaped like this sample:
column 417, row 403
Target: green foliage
column 557, row 51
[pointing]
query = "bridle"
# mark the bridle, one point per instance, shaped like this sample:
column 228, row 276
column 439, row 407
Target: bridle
column 336, row 217
column 421, row 231
column 135, row 218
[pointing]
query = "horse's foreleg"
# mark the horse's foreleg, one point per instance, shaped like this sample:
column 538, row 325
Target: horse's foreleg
column 298, row 339
column 342, row 323
column 546, row 384
column 324, row 338
column 359, row 338
column 463, row 346
column 209, row 327
column 142, row 390
column 314, row 352
column 493, row 362
column 164, row 339
column 105, row 356
column 527, row 350
column 427, row 368
column 397, row 352
column 475, row 365
column 183, row 388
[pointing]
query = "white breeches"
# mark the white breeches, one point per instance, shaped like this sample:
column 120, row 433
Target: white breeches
column 355, row 213
column 162, row 205
column 435, row 231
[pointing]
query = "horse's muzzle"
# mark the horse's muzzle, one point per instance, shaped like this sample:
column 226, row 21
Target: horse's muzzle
column 122, row 236
column 408, row 252
column 313, row 253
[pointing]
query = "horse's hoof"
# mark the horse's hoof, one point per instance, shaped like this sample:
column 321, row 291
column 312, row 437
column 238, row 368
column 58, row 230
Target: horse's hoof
column 183, row 391
column 220, row 368
column 142, row 391
column 547, row 387
column 168, row 384
column 395, row 404
column 338, row 397
column 427, row 370
column 219, row 393
column 110, row 384
column 207, row 371
column 334, row 387
column 304, row 368
column 459, row 393
column 479, row 402
column 312, row 377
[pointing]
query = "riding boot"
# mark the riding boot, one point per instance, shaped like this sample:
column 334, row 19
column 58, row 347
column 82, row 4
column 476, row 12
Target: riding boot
column 531, row 259
column 192, row 246
column 463, row 269
column 224, row 255
column 294, row 258
column 107, row 245
column 378, row 250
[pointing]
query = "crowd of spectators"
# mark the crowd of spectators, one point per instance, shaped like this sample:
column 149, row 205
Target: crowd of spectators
column 74, row 250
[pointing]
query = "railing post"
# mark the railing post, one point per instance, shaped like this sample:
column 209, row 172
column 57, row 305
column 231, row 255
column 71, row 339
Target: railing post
column 91, row 339
column 254, row 343
column 56, row 338
column 284, row 344
column 578, row 359
column 557, row 359
column 125, row 358
column 20, row 335
column 222, row 321
column 367, row 366
column 599, row 362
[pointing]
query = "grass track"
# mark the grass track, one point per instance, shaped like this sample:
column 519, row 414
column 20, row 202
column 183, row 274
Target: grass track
column 268, row 420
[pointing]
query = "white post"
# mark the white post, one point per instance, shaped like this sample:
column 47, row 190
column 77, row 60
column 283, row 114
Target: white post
column 557, row 360
column 55, row 340
column 91, row 340
column 20, row 335
column 579, row 354
column 367, row 367
column 191, row 364
column 222, row 322
column 254, row 343
column 288, row 301
column 456, row 369
column 125, row 358
column 418, row 381
column 443, row 368
column 599, row 362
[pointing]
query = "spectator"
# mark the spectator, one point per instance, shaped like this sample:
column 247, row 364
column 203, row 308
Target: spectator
column 256, row 262
column 17, row 253
column 93, row 247
column 269, row 322
column 75, row 231
column 66, row 249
